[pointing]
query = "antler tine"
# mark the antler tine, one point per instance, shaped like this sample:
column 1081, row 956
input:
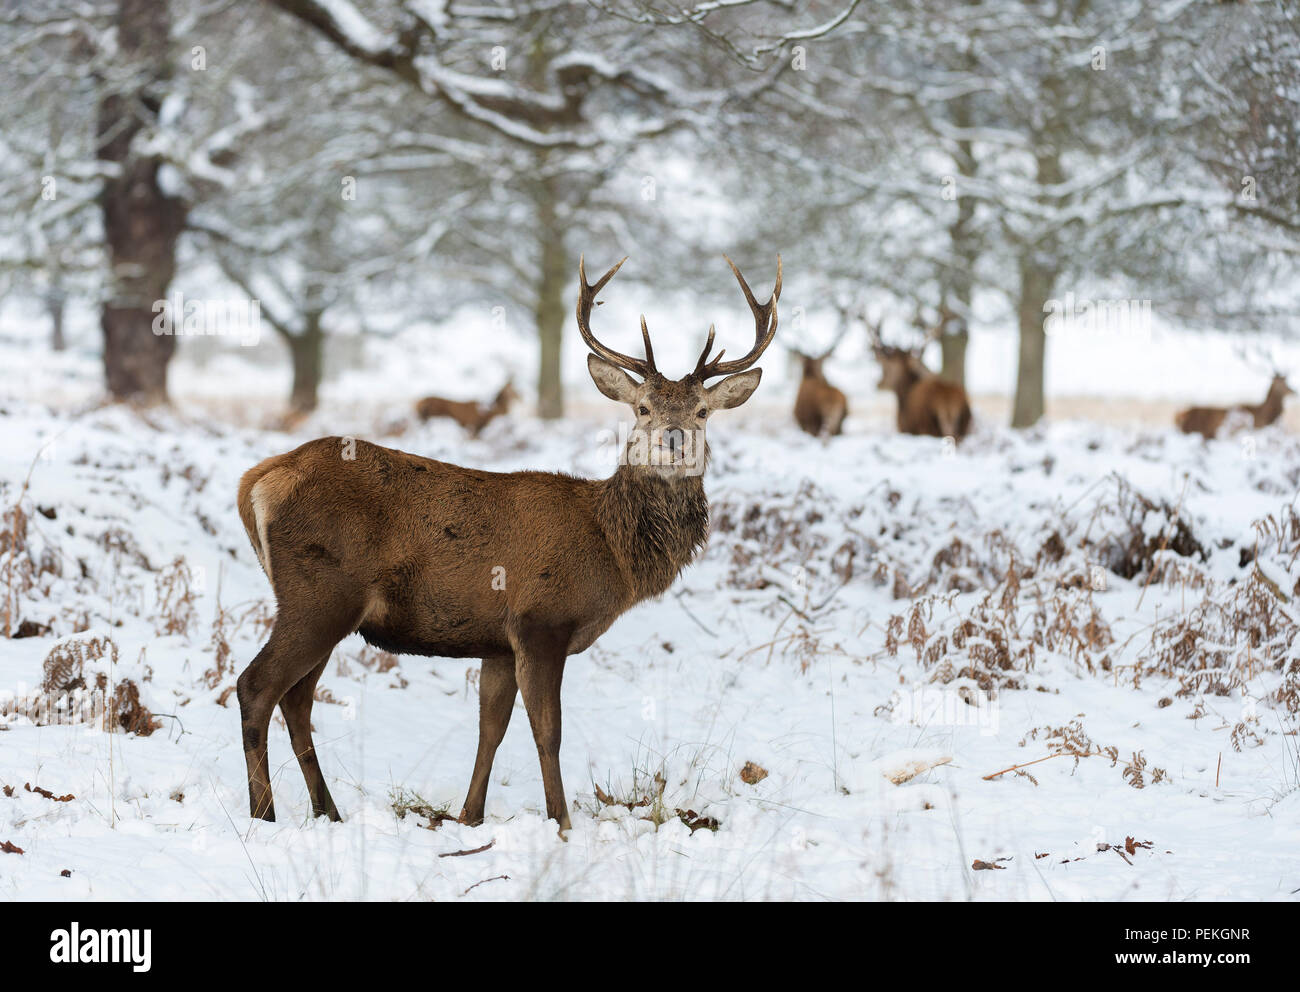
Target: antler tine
column 873, row 328
column 649, row 351
column 835, row 343
column 765, row 321
column 918, row 317
column 704, row 355
column 586, row 300
column 929, row 332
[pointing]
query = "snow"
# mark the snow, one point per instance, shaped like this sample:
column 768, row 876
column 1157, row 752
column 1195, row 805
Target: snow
column 354, row 26
column 883, row 779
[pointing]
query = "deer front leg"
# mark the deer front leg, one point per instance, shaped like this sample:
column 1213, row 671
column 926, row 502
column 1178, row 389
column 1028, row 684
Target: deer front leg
column 539, row 669
column 496, row 701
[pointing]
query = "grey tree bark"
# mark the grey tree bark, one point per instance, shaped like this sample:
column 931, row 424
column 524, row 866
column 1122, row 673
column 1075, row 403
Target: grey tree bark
column 142, row 223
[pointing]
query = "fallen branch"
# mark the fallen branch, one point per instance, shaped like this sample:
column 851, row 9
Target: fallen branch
column 461, row 854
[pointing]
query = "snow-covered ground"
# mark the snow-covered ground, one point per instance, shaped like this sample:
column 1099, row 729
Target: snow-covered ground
column 868, row 610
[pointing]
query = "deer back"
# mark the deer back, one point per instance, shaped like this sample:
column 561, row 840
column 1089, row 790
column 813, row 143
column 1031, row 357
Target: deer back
column 818, row 406
column 464, row 413
column 934, row 406
column 455, row 554
column 1202, row 420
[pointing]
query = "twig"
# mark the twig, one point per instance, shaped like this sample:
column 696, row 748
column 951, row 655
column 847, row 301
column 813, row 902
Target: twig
column 1058, row 754
column 477, row 884
column 461, row 854
column 687, row 610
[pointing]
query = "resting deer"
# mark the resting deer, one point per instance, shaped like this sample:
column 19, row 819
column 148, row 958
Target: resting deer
column 470, row 416
column 1207, row 420
column 927, row 404
column 819, row 408
column 521, row 569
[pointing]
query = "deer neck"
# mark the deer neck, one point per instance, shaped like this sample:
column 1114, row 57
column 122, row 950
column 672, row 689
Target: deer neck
column 1270, row 409
column 654, row 525
column 906, row 384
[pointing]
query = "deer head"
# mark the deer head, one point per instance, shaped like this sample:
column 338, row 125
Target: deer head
column 671, row 415
column 898, row 366
column 506, row 396
column 812, row 364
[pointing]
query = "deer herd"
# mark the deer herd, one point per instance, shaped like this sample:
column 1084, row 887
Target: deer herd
column 523, row 569
column 927, row 403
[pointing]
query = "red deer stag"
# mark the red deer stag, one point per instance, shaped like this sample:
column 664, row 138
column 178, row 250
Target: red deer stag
column 1207, row 420
column 470, row 416
column 521, row 569
column 819, row 407
column 927, row 404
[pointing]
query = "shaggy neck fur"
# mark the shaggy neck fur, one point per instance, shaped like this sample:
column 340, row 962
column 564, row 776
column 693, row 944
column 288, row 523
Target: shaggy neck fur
column 654, row 525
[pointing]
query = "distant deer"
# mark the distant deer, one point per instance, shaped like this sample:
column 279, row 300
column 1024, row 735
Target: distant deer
column 521, row 569
column 470, row 416
column 927, row 404
column 819, row 408
column 1206, row 420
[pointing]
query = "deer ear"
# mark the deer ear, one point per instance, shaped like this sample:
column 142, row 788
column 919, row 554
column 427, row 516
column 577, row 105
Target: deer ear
column 733, row 390
column 611, row 380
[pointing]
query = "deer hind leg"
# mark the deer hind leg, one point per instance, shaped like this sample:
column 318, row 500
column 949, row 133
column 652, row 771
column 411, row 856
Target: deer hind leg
column 296, row 707
column 539, row 668
column 497, row 689
column 297, row 645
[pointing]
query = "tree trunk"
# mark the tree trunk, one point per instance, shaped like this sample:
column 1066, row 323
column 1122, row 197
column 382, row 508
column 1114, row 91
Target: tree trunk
column 550, row 312
column 307, row 350
column 1036, row 282
column 55, row 304
column 141, row 222
column 954, row 356
column 958, row 280
column 1039, row 270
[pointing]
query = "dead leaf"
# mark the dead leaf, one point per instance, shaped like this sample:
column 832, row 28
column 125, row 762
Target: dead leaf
column 1132, row 845
column 605, row 799
column 48, row 794
column 696, row 822
column 909, row 768
column 752, row 774
column 8, row 847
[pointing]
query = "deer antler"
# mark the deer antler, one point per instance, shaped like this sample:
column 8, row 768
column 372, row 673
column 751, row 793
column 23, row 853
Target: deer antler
column 586, row 299
column 835, row 343
column 873, row 328
column 929, row 331
column 765, row 318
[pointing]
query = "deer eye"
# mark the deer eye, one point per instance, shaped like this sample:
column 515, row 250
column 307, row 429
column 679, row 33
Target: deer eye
column 703, row 413
column 644, row 411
